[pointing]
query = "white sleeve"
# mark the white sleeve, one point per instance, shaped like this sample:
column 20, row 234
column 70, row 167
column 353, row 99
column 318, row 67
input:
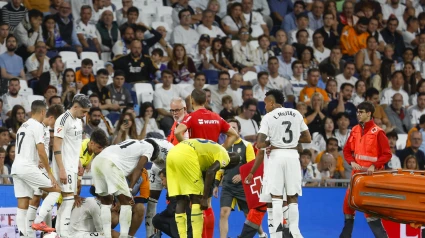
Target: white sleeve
column 407, row 37
column 94, row 35
column 259, row 18
column 384, row 99
column 39, row 134
column 266, row 8
column 157, row 102
column 177, row 37
column 30, row 65
column 117, row 49
column 147, row 150
column 79, row 29
column 264, row 126
column 303, row 127
column 95, row 214
column 60, row 128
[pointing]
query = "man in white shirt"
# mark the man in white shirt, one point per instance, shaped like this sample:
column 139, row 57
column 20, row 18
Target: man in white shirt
column 397, row 82
column 394, row 163
column 320, row 51
column 183, row 34
column 410, row 38
column 277, row 81
column 38, row 62
column 220, row 90
column 347, row 75
column 254, row 19
column 261, row 88
column 122, row 46
column 207, row 26
column 12, row 98
column 86, row 220
column 162, row 98
column 394, row 7
column 98, row 8
column 122, row 14
column 235, row 86
column 86, row 31
column 297, row 79
column 249, row 127
column 417, row 110
column 302, row 24
column 4, row 32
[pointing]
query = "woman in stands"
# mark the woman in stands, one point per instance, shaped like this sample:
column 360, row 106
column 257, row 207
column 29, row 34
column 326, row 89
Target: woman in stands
column 410, row 162
column 10, row 156
column 107, row 30
column 182, row 66
column 420, row 88
column 306, row 55
column 3, row 169
column 359, row 94
column 369, row 55
column 316, row 113
column 146, row 122
column 16, row 119
column 126, row 129
column 217, row 59
column 331, row 89
column 233, row 22
column 410, row 81
column 214, row 6
column 68, row 87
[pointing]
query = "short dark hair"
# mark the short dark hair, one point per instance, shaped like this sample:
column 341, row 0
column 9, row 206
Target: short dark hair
column 55, row 111
column 183, row 11
column 167, row 71
column 312, row 70
column 199, row 74
column 392, row 134
column 226, row 98
column 295, row 63
column 94, row 95
column 53, row 97
column 99, row 137
column 199, row 96
column 370, row 92
column 246, row 89
column 94, row 109
column 272, row 58
column 306, row 152
column 133, row 10
column 163, row 172
column 119, row 72
column 3, row 129
column 53, row 60
column 10, row 36
column 367, row 106
column 327, row 69
column 341, row 115
column 421, row 94
column 422, row 119
column 277, row 95
column 157, row 51
column 33, row 13
column 102, row 72
column 235, row 121
column 86, row 62
column 156, row 148
column 300, row 31
column 332, row 138
column 249, row 102
column 223, row 72
column 37, row 106
column 262, row 73
column 348, row 63
column 345, row 85
column 14, row 80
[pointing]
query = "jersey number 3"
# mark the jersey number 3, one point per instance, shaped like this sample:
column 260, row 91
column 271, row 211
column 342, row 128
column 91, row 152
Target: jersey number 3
column 288, row 132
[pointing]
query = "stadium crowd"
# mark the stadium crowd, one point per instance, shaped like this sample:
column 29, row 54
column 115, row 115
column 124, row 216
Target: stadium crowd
column 138, row 61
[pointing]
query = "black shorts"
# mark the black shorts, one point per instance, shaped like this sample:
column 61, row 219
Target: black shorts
column 227, row 196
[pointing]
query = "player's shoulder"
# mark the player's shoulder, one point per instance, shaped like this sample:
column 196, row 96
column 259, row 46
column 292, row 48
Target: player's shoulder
column 63, row 119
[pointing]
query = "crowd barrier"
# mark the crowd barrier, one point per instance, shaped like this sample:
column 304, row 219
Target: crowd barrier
column 320, row 215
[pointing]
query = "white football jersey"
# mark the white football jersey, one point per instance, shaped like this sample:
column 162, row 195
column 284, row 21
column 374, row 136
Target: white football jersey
column 29, row 135
column 126, row 154
column 70, row 129
column 164, row 147
column 86, row 218
column 283, row 126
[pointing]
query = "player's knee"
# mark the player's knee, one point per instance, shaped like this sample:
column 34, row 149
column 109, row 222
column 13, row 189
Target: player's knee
column 139, row 208
column 224, row 212
column 35, row 200
column 293, row 199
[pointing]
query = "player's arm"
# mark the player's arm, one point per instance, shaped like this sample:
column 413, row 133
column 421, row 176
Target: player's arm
column 95, row 214
column 179, row 131
column 258, row 161
column 347, row 151
column 57, row 147
column 138, row 171
column 305, row 137
column 209, row 177
column 261, row 141
column 232, row 136
column 384, row 150
column 43, row 157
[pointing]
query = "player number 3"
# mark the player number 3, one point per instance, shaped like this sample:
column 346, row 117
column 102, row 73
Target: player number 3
column 288, row 132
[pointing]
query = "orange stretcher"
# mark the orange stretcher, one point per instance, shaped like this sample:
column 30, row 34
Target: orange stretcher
column 397, row 195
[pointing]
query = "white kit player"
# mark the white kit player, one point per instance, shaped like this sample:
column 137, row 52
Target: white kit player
column 68, row 134
column 155, row 182
column 48, row 123
column 111, row 168
column 285, row 128
column 27, row 176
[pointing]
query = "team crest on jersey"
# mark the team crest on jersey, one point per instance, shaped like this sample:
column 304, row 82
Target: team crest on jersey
column 239, row 150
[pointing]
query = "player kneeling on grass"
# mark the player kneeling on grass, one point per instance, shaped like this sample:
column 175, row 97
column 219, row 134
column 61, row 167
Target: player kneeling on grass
column 110, row 169
column 185, row 178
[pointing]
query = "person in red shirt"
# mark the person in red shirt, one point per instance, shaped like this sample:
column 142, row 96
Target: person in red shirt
column 202, row 123
column 367, row 149
column 179, row 111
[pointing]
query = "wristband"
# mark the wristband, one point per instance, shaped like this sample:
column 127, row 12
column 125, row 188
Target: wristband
column 80, row 177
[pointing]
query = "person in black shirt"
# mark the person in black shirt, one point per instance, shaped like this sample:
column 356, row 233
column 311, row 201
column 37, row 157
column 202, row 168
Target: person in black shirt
column 391, row 36
column 136, row 66
column 99, row 88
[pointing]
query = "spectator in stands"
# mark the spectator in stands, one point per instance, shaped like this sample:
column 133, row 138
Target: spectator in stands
column 365, row 74
column 68, row 87
column 335, row 59
column 181, row 65
column 4, row 142
column 235, row 86
column 332, row 151
column 397, row 114
column 327, row 167
column 12, row 97
column 99, row 87
column 249, row 128
column 4, row 32
column 306, row 56
column 217, row 59
column 410, row 162
column 54, row 100
column 410, row 38
column 38, row 62
column 207, row 26
column 347, row 16
column 307, row 91
column 316, row 113
column 261, row 88
column 394, row 163
column 344, row 104
column 125, row 129
column 420, row 88
column 416, row 111
column 347, row 76
column 391, row 36
column 297, row 79
column 66, row 34
column 280, row 41
column 320, row 51
column 308, row 169
column 108, row 31
column 105, row 124
column 48, row 93
column 54, row 7
column 93, row 121
column 227, row 112
column 86, row 31
column 3, row 169
column 85, row 74
column 353, row 38
column 380, row 117
column 198, row 83
column 53, row 76
column 243, row 52
column 288, row 20
column 149, row 42
column 397, row 82
column 11, row 64
column 184, row 5
column 234, row 20
column 16, row 119
column 29, row 32
column 320, row 138
column 146, row 122
column 414, row 150
column 254, row 19
column 359, row 92
column 183, row 34
column 302, row 25
column 372, row 28
column 220, row 90
column 10, row 149
column 343, row 131
column 163, row 44
column 331, row 89
column 136, row 66
column 122, row 46
column 119, row 94
column 410, row 79
column 13, row 13
column 316, row 15
column 97, row 7
column 369, row 56
column 126, row 13
column 162, row 98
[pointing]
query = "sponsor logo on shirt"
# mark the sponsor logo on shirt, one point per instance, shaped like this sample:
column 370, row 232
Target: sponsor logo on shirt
column 208, row 122
column 59, row 130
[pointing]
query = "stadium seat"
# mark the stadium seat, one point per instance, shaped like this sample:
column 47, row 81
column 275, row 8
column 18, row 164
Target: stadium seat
column 211, row 75
column 89, row 55
column 164, row 14
column 106, row 56
column 51, row 54
column 182, row 86
column 128, row 86
column 98, row 64
column 166, row 25
column 206, row 86
column 32, row 98
column 289, row 105
column 134, row 98
column 401, row 142
column 261, row 106
column 23, row 83
column 148, row 14
column 34, row 85
column 254, row 44
column 68, row 55
column 155, row 3
column 26, row 92
column 73, row 64
column 2, row 4
column 144, row 92
column 249, row 76
column 113, row 117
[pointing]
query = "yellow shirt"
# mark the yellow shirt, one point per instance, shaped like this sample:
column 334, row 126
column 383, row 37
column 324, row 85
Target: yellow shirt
column 207, row 152
column 85, row 157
